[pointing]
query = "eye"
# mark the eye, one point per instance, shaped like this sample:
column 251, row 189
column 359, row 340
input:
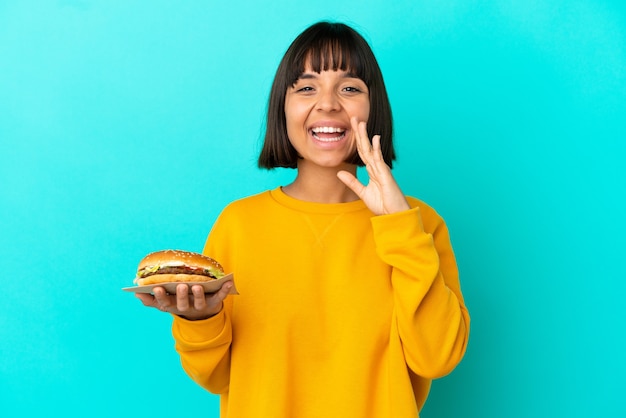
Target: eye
column 303, row 88
column 354, row 86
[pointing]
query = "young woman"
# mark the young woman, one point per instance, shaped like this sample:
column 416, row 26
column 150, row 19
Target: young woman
column 349, row 299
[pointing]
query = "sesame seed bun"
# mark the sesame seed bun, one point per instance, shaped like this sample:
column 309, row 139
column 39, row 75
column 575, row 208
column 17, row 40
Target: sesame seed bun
column 168, row 266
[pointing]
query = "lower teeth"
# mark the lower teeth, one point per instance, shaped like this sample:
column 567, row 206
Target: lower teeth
column 335, row 139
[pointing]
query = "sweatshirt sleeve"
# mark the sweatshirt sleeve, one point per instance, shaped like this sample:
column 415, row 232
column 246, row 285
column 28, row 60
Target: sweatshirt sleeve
column 204, row 349
column 430, row 316
column 204, row 346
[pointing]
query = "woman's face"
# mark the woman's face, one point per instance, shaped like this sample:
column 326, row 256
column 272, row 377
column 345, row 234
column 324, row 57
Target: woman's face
column 318, row 109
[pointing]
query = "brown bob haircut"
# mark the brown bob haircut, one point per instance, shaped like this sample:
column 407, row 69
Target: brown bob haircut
column 326, row 46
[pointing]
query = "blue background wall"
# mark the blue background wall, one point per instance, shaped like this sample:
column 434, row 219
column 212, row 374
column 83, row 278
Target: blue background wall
column 126, row 126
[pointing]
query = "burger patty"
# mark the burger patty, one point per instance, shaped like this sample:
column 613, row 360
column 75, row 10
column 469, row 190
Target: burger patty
column 177, row 270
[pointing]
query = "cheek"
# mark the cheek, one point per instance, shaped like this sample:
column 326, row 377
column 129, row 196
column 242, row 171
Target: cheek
column 361, row 111
column 295, row 114
column 291, row 124
column 294, row 125
column 289, row 121
column 366, row 111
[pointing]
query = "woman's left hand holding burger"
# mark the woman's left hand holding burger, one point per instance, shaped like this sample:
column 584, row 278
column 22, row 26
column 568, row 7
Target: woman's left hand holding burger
column 382, row 195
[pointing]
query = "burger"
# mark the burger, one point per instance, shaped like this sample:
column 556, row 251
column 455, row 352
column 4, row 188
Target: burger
column 168, row 266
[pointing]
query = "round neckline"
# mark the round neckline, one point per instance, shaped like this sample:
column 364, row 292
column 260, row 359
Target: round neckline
column 304, row 206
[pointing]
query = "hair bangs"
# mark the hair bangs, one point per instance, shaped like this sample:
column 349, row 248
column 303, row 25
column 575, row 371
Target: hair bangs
column 331, row 52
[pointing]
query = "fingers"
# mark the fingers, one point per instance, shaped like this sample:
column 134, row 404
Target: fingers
column 363, row 145
column 221, row 294
column 188, row 302
column 194, row 304
column 206, row 305
column 182, row 297
column 146, row 299
column 370, row 152
column 199, row 299
column 158, row 300
column 376, row 150
column 162, row 300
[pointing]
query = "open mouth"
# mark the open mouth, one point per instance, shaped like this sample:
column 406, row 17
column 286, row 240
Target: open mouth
column 328, row 133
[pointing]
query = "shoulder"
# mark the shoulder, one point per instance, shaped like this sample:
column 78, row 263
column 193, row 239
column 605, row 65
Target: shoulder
column 430, row 217
column 249, row 208
column 248, row 203
column 239, row 215
column 425, row 208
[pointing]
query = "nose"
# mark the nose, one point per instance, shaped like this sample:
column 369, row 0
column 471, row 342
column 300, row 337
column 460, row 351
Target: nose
column 328, row 101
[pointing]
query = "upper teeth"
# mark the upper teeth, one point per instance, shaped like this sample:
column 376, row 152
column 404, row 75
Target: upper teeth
column 327, row 130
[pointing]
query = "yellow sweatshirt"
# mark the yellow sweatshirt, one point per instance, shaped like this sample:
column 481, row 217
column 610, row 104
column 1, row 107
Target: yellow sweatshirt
column 340, row 313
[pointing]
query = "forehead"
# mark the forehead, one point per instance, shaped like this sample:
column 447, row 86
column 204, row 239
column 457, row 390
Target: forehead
column 329, row 55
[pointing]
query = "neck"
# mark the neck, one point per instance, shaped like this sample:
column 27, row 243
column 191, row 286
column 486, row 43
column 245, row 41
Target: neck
column 321, row 185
